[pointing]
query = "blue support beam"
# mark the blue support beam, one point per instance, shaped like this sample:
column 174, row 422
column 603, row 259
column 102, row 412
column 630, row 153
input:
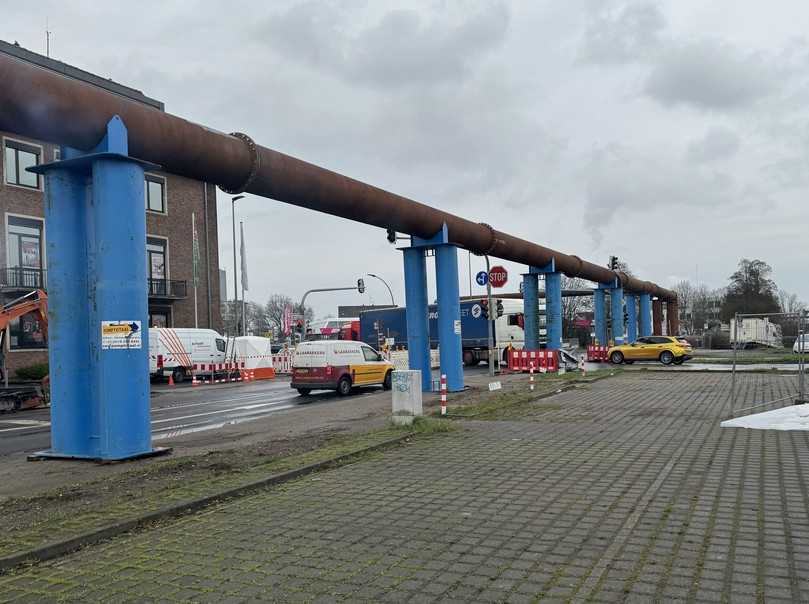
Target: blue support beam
column 417, row 313
column 631, row 301
column 553, row 304
column 98, row 307
column 600, row 316
column 449, row 309
column 530, row 293
column 617, row 315
column 645, row 313
column 449, row 315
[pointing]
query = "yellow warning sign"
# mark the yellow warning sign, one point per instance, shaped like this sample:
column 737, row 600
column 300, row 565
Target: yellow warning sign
column 120, row 335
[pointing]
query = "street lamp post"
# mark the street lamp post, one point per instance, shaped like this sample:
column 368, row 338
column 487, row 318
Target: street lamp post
column 235, row 274
column 392, row 301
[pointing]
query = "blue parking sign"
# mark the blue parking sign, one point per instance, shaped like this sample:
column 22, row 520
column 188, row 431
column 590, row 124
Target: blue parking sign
column 482, row 278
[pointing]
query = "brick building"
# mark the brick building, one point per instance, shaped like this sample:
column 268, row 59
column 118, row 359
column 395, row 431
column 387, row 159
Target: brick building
column 169, row 203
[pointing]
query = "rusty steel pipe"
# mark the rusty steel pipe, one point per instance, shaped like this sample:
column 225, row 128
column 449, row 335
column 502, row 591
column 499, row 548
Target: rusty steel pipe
column 45, row 105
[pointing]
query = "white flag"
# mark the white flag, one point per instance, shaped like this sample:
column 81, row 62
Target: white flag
column 244, row 260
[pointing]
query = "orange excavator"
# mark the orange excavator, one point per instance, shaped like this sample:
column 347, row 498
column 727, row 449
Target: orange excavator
column 23, row 396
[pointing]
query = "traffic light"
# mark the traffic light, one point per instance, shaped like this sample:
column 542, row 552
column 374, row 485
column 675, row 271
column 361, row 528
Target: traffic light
column 484, row 308
column 626, row 317
column 614, row 262
column 499, row 308
column 391, row 236
column 361, row 286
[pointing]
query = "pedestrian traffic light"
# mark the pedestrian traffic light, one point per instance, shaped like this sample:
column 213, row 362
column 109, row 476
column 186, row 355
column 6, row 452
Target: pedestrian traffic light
column 500, row 308
column 361, row 286
column 484, row 308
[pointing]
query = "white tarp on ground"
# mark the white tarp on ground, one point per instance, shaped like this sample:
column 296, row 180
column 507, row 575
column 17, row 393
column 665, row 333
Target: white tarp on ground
column 795, row 417
column 255, row 351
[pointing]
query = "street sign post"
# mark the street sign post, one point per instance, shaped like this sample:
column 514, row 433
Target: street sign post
column 498, row 276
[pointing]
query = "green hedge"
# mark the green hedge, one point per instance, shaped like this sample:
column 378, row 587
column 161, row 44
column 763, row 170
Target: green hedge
column 32, row 372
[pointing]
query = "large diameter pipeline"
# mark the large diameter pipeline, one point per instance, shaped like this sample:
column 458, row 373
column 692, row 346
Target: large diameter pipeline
column 48, row 106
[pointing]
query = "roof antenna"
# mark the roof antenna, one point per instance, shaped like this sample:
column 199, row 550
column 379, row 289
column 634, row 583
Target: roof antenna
column 48, row 33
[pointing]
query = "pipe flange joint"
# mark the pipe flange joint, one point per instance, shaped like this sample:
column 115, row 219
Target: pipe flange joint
column 492, row 240
column 254, row 160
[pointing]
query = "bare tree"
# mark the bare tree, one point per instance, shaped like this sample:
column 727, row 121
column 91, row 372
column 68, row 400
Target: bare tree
column 275, row 308
column 790, row 302
column 574, row 305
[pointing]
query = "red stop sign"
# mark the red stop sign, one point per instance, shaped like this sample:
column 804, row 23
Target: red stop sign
column 498, row 276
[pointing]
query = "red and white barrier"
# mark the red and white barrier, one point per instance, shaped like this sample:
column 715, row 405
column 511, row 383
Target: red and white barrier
column 521, row 360
column 443, row 394
column 596, row 354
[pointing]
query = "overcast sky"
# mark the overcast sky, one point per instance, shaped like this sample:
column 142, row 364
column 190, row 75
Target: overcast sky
column 673, row 134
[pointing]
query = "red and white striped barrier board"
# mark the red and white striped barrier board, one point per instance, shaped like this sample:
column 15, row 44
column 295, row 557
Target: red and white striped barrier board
column 596, row 354
column 521, row 360
column 443, row 394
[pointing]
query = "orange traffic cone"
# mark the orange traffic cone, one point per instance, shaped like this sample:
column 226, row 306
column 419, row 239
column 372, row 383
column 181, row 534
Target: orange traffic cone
column 171, row 379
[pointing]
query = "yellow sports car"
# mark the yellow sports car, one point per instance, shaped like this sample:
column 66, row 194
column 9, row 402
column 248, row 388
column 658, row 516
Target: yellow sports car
column 666, row 349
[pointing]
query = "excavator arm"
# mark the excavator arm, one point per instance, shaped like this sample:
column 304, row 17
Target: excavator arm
column 36, row 301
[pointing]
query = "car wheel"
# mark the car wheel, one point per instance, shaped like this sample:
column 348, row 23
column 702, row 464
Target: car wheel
column 617, row 357
column 666, row 357
column 387, row 383
column 678, row 361
column 304, row 391
column 344, row 386
column 178, row 375
column 469, row 359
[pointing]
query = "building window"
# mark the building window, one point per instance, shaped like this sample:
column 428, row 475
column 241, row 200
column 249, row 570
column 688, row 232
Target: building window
column 18, row 157
column 57, row 153
column 160, row 318
column 155, row 192
column 25, row 251
column 156, row 255
column 26, row 333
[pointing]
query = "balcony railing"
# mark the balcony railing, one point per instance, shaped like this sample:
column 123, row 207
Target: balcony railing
column 18, row 277
column 171, row 289
column 28, row 279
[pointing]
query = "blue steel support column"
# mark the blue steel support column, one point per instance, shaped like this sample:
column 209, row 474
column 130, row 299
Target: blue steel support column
column 530, row 293
column 74, row 421
column 632, row 317
column 416, row 313
column 617, row 312
column 645, row 309
column 553, row 309
column 553, row 304
column 96, row 229
column 600, row 316
column 449, row 315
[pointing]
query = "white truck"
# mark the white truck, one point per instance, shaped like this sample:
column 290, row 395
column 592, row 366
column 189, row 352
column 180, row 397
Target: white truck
column 753, row 332
column 175, row 351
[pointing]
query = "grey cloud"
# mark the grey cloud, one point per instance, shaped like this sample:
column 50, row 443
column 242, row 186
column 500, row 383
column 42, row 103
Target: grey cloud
column 718, row 143
column 710, row 75
column 401, row 49
column 626, row 182
column 621, row 35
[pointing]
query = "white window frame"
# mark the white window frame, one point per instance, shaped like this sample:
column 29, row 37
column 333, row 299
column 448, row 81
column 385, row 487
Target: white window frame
column 44, row 252
column 40, row 178
column 164, row 180
column 168, row 264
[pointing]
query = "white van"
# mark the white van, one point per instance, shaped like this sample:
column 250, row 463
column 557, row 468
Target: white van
column 338, row 365
column 801, row 343
column 179, row 349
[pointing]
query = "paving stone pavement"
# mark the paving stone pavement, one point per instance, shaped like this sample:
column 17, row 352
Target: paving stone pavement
column 625, row 490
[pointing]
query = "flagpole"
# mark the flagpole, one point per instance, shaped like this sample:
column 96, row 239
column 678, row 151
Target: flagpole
column 196, row 268
column 244, row 273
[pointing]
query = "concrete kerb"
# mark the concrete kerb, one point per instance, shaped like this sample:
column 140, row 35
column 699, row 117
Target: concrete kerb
column 57, row 549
